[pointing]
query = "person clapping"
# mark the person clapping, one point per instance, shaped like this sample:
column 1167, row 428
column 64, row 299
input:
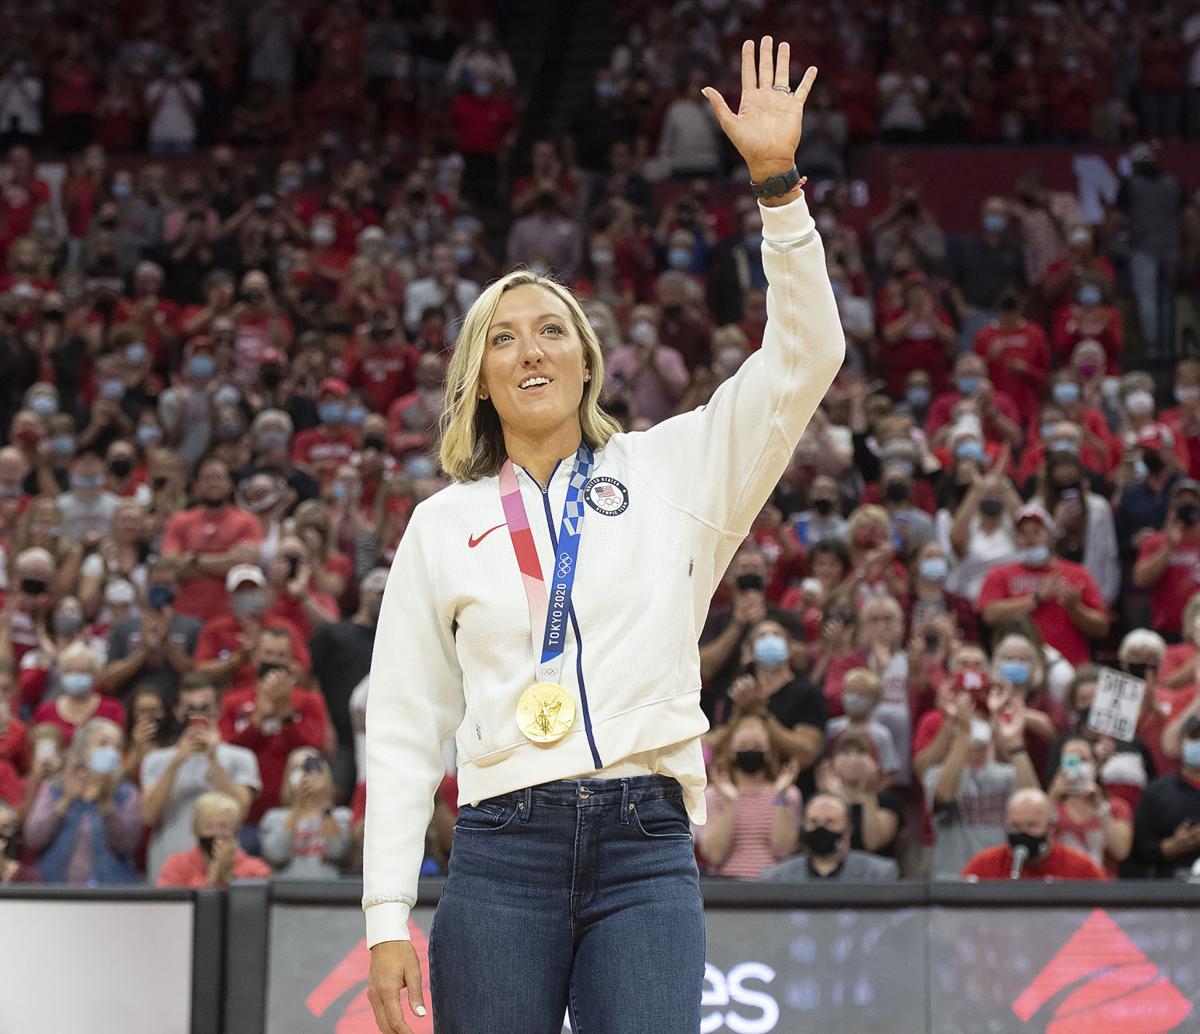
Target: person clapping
column 307, row 836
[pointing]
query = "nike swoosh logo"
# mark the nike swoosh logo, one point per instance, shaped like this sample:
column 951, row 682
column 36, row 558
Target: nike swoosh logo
column 472, row 541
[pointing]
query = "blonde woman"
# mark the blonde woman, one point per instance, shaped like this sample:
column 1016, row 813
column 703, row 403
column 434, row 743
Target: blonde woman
column 576, row 705
column 753, row 805
column 307, row 837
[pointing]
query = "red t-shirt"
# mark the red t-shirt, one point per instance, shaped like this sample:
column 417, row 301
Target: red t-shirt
column 205, row 531
column 190, row 869
column 939, row 412
column 1186, row 445
column 306, row 729
column 1180, row 580
column 19, row 199
column 1027, row 344
column 323, row 451
column 921, row 350
column 12, row 786
column 14, row 745
column 221, row 636
column 1012, row 581
column 288, row 609
column 1176, row 657
column 1104, row 326
column 480, row 123
column 108, row 708
column 1061, row 863
column 384, row 374
column 1088, row 837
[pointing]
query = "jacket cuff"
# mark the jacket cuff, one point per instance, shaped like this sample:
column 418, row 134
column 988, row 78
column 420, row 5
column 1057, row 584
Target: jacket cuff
column 387, row 921
column 784, row 224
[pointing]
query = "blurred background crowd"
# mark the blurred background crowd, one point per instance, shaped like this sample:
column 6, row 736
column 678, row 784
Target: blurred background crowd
column 236, row 242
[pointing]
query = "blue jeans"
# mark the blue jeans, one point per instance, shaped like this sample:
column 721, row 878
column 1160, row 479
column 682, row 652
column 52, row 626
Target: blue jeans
column 579, row 895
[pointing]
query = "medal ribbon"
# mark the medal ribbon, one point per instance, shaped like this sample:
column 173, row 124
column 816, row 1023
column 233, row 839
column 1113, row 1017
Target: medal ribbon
column 548, row 610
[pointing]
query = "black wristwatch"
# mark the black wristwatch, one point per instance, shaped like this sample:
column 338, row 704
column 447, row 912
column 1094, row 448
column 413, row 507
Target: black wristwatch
column 776, row 186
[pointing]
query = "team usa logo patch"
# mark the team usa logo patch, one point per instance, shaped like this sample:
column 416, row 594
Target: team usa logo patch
column 607, row 496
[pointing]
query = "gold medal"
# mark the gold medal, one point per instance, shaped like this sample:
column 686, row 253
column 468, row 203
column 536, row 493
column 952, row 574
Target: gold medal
column 545, row 712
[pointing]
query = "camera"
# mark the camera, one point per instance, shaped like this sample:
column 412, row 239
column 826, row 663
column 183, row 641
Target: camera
column 312, row 765
column 750, row 582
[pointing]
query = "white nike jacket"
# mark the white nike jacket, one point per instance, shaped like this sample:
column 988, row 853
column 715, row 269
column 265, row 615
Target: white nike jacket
column 666, row 510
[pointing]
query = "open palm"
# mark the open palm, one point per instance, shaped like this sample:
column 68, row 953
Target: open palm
column 766, row 128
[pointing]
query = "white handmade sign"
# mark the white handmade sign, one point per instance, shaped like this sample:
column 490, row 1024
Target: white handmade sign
column 1117, row 704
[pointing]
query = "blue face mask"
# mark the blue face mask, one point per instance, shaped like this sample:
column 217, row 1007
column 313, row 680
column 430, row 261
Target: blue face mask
column 272, row 439
column 331, row 412
column 679, row 258
column 43, row 405
column 1191, row 754
column 969, row 450
column 753, row 241
column 77, row 683
column 934, row 569
column 1016, row 672
column 1065, row 393
column 104, row 761
column 1140, row 470
column 201, row 366
column 122, row 189
column 87, row 481
column 112, row 389
column 147, row 435
column 1034, row 556
column 993, row 222
column 771, row 650
column 227, row 395
column 62, row 445
column 355, row 416
column 918, row 396
column 463, row 253
column 136, row 354
column 967, row 385
column 1088, row 295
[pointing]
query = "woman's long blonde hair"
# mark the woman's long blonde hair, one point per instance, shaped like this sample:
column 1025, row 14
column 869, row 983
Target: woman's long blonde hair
column 472, row 443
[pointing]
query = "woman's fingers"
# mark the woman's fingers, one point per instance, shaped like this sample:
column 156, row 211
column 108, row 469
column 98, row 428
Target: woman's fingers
column 412, row 977
column 749, row 76
column 766, row 63
column 720, row 108
column 782, row 66
column 806, row 83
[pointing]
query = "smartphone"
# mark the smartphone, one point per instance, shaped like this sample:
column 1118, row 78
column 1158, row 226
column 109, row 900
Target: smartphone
column 748, row 582
column 1070, row 495
column 44, row 750
column 293, row 563
column 1072, row 767
column 311, row 765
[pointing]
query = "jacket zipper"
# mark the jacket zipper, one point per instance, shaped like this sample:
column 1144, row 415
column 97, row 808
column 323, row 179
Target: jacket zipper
column 587, row 716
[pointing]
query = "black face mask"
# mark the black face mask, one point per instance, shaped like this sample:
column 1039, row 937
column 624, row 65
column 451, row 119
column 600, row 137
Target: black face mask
column 1036, row 846
column 214, row 504
column 206, row 845
column 33, row 586
column 991, row 507
column 266, row 667
column 896, row 492
column 822, row 842
column 750, row 761
column 12, row 845
column 1154, row 462
column 824, row 507
column 158, row 483
column 271, row 377
column 1140, row 669
column 121, row 468
column 1189, row 515
column 372, row 442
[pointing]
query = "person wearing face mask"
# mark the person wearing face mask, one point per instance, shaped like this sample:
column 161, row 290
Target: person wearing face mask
column 341, row 658
column 919, row 335
column 273, row 716
column 85, row 824
column 651, row 375
column 184, row 410
column 332, row 442
column 998, row 416
column 154, row 647
column 826, row 838
column 271, row 436
column 982, row 268
column 821, row 520
column 1150, row 475
column 1084, row 263
column 208, row 541
column 852, row 772
column 861, row 694
column 88, row 508
column 977, row 526
column 123, row 480
column 1184, row 417
column 1016, row 352
column 1087, row 819
column 918, row 396
column 1031, row 850
column 1166, row 824
column 12, row 869
column 912, row 527
column 932, row 611
column 754, row 805
column 216, row 860
column 1167, row 559
column 1088, row 316
column 985, row 763
column 1083, row 519
column 1061, row 596
column 78, row 669
column 683, row 326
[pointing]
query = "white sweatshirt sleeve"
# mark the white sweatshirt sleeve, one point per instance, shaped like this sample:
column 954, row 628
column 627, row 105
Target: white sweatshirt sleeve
column 415, row 703
column 721, row 462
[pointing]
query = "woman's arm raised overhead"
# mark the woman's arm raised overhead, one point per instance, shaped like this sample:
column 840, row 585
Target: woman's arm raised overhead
column 721, row 462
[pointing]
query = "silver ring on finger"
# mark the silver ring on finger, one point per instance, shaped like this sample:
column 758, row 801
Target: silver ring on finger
column 781, row 86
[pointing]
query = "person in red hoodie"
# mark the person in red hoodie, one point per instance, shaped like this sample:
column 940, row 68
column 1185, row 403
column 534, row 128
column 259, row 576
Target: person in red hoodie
column 1017, row 354
column 1029, row 825
column 1061, row 596
column 273, row 717
column 1168, row 560
column 321, row 449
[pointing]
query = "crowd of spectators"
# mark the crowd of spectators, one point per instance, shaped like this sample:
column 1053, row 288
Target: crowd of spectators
column 222, row 380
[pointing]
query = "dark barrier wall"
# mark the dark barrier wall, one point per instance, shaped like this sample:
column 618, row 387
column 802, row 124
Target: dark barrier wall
column 942, row 959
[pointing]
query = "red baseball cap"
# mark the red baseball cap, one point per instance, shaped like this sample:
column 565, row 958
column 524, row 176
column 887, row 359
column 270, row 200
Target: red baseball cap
column 1156, row 436
column 1035, row 512
column 333, row 386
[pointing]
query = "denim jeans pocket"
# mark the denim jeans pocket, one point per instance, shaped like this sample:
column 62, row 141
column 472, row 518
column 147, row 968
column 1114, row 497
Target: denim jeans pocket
column 487, row 816
column 662, row 818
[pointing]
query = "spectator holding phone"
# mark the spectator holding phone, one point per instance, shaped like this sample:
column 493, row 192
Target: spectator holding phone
column 174, row 778
column 85, row 824
column 146, row 728
column 852, row 771
column 306, row 837
column 1167, row 559
column 215, row 860
column 11, row 868
column 1087, row 820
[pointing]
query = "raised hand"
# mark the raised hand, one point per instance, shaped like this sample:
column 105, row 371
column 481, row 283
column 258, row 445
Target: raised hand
column 766, row 128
